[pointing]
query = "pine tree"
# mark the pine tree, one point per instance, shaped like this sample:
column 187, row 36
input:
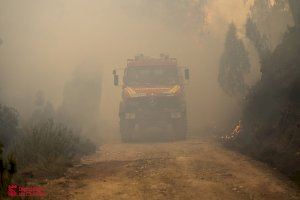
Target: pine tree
column 259, row 41
column 272, row 19
column 234, row 64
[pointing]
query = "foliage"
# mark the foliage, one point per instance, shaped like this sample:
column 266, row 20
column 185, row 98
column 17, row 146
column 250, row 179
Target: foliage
column 259, row 41
column 7, row 170
column 81, row 98
column 43, row 110
column 8, row 124
column 270, row 121
column 39, row 98
column 271, row 111
column 48, row 148
column 271, row 19
column 234, row 64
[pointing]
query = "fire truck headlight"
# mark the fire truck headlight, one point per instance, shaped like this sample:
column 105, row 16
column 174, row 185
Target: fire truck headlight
column 129, row 115
column 138, row 95
column 175, row 115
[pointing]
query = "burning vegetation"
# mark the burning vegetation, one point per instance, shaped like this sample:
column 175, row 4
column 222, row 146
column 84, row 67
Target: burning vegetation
column 271, row 109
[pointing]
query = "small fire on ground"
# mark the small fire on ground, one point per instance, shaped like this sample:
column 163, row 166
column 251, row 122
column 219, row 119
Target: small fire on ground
column 234, row 134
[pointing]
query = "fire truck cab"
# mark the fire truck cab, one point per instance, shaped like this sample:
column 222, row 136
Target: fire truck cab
column 153, row 94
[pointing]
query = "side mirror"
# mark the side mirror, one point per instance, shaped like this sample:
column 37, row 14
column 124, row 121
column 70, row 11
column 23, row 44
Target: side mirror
column 116, row 78
column 186, row 74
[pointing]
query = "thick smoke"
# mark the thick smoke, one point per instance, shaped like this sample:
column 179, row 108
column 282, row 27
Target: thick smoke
column 44, row 41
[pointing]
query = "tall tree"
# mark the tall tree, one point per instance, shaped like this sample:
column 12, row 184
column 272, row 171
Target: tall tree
column 272, row 19
column 259, row 41
column 234, row 64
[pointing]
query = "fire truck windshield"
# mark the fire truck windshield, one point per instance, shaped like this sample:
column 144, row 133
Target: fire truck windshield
column 152, row 76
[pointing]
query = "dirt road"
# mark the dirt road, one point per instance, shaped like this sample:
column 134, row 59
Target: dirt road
column 194, row 169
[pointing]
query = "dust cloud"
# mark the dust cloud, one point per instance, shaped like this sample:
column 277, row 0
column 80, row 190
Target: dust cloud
column 45, row 41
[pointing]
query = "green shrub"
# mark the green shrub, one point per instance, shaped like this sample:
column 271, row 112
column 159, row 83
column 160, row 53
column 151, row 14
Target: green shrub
column 48, row 148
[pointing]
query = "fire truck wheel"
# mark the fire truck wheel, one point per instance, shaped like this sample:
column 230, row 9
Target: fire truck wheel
column 126, row 129
column 180, row 129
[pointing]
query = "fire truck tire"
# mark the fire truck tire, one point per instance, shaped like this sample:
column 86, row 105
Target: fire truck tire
column 180, row 129
column 126, row 129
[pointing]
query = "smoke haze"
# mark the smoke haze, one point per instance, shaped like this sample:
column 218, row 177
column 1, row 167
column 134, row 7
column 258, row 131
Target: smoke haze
column 44, row 41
